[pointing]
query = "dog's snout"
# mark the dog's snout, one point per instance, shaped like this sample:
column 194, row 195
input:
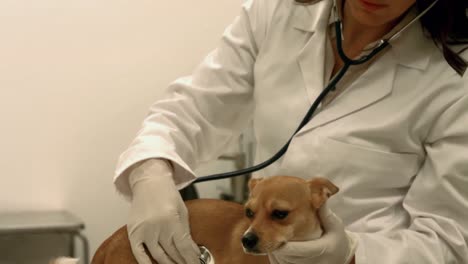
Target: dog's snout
column 249, row 240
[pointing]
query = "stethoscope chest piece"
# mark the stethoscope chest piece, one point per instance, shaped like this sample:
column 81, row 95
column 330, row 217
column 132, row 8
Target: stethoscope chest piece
column 206, row 257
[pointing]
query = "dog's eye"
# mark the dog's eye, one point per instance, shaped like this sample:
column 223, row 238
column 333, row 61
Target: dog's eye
column 278, row 214
column 249, row 213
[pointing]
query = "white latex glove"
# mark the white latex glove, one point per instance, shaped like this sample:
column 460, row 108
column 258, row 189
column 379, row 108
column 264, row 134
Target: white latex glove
column 336, row 246
column 158, row 217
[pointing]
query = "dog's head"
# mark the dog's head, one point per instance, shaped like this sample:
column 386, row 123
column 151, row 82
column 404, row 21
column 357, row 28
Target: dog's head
column 283, row 208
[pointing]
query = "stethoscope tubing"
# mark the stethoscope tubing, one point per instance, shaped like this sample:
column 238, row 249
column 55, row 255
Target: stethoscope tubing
column 331, row 86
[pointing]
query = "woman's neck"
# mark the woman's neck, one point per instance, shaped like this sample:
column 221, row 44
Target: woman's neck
column 356, row 35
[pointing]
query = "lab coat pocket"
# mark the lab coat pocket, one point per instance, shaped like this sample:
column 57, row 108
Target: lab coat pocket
column 363, row 168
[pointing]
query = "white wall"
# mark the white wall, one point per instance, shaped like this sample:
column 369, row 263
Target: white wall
column 76, row 80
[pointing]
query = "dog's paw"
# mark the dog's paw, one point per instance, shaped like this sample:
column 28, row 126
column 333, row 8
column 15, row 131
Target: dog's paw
column 64, row 260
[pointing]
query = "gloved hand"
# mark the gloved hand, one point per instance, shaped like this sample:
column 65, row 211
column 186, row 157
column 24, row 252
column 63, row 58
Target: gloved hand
column 336, row 246
column 158, row 217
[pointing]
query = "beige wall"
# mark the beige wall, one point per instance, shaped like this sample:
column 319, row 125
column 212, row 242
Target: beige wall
column 76, row 80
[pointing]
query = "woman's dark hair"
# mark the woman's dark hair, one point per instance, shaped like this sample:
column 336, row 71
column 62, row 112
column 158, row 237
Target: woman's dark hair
column 447, row 24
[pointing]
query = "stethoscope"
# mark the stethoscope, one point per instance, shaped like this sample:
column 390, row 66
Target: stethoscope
column 383, row 43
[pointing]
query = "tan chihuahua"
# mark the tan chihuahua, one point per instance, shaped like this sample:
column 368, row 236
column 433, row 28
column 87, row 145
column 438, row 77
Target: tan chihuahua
column 279, row 209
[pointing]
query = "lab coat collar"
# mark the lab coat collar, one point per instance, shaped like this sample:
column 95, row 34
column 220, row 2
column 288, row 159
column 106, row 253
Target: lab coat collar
column 311, row 59
column 410, row 49
column 413, row 48
column 307, row 16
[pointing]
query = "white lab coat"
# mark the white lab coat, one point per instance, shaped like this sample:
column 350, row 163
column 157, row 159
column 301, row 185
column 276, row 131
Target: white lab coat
column 395, row 142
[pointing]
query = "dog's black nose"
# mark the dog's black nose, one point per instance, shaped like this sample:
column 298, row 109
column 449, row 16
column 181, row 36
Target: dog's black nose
column 250, row 240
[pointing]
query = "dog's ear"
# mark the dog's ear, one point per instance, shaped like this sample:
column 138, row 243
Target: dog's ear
column 321, row 189
column 253, row 182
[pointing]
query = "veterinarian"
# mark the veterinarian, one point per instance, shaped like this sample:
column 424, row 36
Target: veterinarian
column 393, row 135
